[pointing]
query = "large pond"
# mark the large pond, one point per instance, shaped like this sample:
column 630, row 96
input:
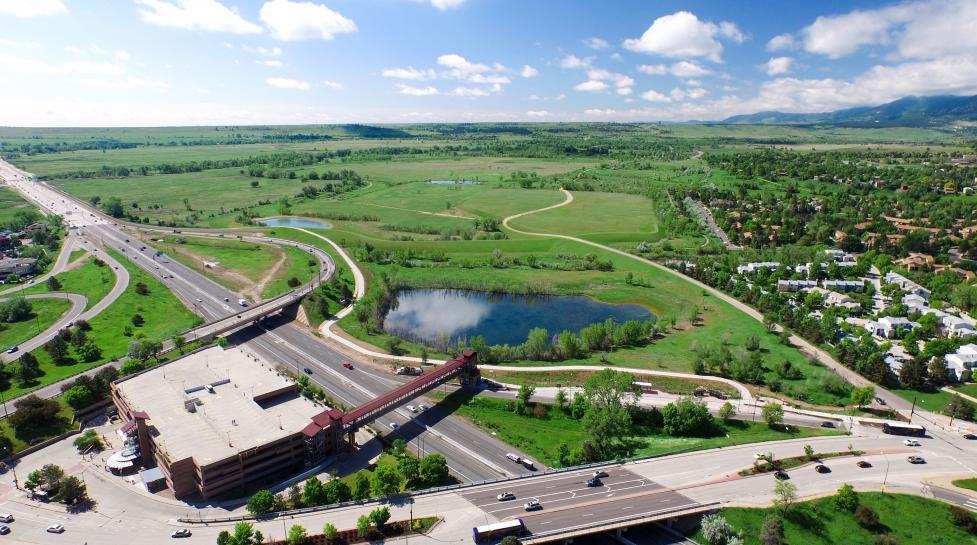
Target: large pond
column 426, row 314
column 296, row 222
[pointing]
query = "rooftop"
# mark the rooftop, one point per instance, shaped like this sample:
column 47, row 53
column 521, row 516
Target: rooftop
column 247, row 405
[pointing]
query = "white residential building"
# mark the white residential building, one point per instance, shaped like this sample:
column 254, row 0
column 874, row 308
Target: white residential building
column 906, row 284
column 961, row 363
column 752, row 268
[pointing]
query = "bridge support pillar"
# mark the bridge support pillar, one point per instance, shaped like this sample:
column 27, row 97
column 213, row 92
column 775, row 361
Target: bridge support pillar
column 470, row 377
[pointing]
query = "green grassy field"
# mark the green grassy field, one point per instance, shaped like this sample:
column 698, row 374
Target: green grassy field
column 909, row 519
column 524, row 432
column 969, row 389
column 163, row 313
column 10, row 203
column 44, row 313
column 88, row 279
column 62, row 424
column 671, row 385
column 607, row 217
column 969, row 484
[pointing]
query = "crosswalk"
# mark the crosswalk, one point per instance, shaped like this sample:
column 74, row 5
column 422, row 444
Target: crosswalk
column 971, row 504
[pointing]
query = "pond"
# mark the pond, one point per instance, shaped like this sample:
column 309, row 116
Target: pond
column 425, row 314
column 296, row 222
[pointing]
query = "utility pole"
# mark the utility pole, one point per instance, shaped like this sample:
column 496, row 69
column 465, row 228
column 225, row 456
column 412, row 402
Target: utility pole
column 912, row 410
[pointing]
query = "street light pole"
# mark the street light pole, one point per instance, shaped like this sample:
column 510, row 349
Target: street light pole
column 912, row 410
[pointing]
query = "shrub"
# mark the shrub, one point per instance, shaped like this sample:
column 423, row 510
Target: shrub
column 772, row 532
column 866, row 517
column 963, row 519
column 846, row 498
column 716, row 530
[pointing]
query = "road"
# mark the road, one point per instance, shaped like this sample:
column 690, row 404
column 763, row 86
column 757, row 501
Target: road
column 472, row 454
column 78, row 304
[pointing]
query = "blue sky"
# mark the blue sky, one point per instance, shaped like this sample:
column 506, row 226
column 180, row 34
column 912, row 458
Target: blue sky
column 191, row 62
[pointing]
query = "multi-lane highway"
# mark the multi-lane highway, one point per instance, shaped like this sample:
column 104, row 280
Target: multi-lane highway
column 472, row 455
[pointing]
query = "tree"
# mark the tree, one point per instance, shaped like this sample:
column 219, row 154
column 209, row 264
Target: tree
column 809, row 452
column 89, row 351
column 58, row 349
column 716, row 530
column 605, row 425
column 261, row 503
column 179, row 341
column 537, row 343
column 963, row 519
column 561, row 398
column 772, row 531
column 773, row 414
column 244, row 534
column 330, row 531
column 33, row 414
column 71, row 490
column 611, row 388
column 937, row 372
column 296, row 535
column 361, row 486
column 569, row 345
column 727, row 411
column 958, row 407
column 785, row 494
column 28, row 369
column 6, row 446
column 337, row 491
column 861, row 397
column 78, row 397
column 88, row 440
column 525, row 393
column 142, row 288
column 363, row 525
column 409, row 469
column 138, row 320
column 510, row 540
column 913, row 374
column 434, row 469
column 380, row 516
column 866, row 517
column 53, row 284
column 686, row 418
column 113, row 207
column 385, row 481
column 314, row 494
column 846, row 498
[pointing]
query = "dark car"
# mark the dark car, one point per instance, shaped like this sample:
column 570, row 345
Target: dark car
column 347, row 365
column 821, row 468
column 827, row 424
column 594, row 482
column 969, row 436
column 781, row 475
column 307, row 371
column 863, row 464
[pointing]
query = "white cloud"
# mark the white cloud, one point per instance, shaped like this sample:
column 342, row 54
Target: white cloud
column 461, row 64
column 494, row 79
column 32, row 8
column 779, row 65
column 688, row 69
column 417, row 91
column 591, row 85
column 573, row 61
column 528, row 71
column 121, row 55
column 288, row 83
column 410, row 73
column 208, row 15
column 270, row 63
column 624, row 91
column 840, row 35
column 292, row 21
column 682, row 34
column 654, row 96
column 677, row 94
column 599, row 112
column 446, row 4
column 332, row 84
column 537, row 113
column 263, row 51
column 463, row 91
column 781, row 42
column 596, row 43
column 653, row 69
column 616, row 56
column 696, row 93
column 560, row 96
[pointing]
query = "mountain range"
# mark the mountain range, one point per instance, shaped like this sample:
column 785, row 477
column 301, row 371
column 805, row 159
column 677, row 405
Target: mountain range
column 904, row 112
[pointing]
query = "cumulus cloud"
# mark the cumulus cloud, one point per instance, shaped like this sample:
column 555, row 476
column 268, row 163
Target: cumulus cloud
column 596, row 43
column 410, row 73
column 688, row 69
column 32, row 8
column 270, row 63
column 654, row 96
column 573, row 61
column 461, row 64
column 537, row 113
column 653, row 69
column 682, row 34
column 778, row 65
column 446, row 4
column 208, row 15
column 528, row 71
column 417, row 91
column 288, row 83
column 781, row 42
column 292, row 21
column 591, row 85
column 332, row 84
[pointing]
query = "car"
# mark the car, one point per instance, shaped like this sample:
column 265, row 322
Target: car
column 781, row 475
column 183, row 532
column 880, row 401
column 506, row 496
column 532, row 505
column 347, row 365
column 393, row 425
column 514, row 457
column 13, row 349
column 412, row 408
column 6, row 518
column 594, row 481
column 827, row 424
column 200, row 300
column 969, row 436
column 307, row 371
column 821, row 468
column 863, row 464
column 915, row 460
column 599, row 474
column 227, row 299
column 55, row 529
column 127, row 240
column 4, row 529
column 911, row 443
column 422, row 407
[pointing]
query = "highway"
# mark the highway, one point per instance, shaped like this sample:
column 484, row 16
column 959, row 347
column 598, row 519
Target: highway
column 472, row 454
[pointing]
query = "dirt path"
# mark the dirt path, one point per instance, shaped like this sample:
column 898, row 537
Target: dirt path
column 442, row 214
column 254, row 292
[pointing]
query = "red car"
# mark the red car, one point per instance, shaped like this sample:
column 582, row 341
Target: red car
column 347, row 364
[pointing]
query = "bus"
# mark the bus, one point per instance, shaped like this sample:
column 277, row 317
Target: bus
column 904, row 429
column 499, row 529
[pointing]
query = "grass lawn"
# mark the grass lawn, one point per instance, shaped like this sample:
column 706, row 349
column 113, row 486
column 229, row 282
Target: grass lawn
column 607, row 217
column 61, row 425
column 671, row 385
column 164, row 317
column 969, row 389
column 930, row 401
column 969, row 484
column 44, row 312
column 910, row 519
column 523, row 432
column 91, row 280
column 10, row 203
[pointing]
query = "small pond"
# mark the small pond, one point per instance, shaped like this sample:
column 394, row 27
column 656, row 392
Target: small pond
column 424, row 314
column 296, row 222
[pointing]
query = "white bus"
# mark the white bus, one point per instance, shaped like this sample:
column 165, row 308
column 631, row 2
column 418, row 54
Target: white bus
column 499, row 529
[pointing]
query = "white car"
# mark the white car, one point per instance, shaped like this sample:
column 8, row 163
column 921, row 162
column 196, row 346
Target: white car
column 393, row 425
column 422, row 407
column 412, row 408
column 911, row 443
column 184, row 532
column 55, row 529
column 6, row 518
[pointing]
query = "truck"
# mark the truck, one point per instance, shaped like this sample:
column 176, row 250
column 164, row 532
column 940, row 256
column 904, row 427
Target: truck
column 242, row 302
column 410, row 371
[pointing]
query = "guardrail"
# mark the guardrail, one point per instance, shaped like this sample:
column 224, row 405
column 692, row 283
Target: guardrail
column 692, row 508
